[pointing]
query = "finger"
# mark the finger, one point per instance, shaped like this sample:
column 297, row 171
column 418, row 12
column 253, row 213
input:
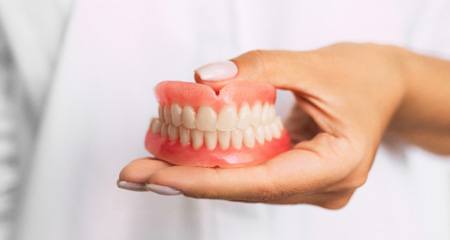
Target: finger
column 139, row 170
column 282, row 69
column 301, row 170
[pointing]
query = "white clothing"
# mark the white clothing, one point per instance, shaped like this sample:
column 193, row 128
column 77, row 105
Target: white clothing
column 91, row 101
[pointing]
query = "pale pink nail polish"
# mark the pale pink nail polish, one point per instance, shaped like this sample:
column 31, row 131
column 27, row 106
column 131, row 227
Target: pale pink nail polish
column 217, row 71
column 131, row 186
column 163, row 190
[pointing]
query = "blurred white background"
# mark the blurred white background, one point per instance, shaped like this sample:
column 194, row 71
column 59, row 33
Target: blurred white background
column 76, row 82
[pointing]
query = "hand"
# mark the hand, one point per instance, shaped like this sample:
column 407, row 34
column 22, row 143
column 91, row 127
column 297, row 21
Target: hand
column 346, row 94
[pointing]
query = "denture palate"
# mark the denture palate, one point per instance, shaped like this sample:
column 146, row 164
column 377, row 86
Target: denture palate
column 231, row 127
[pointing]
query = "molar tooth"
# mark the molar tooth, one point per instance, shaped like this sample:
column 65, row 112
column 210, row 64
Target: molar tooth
column 265, row 113
column 197, row 139
column 259, row 134
column 211, row 139
column 184, row 136
column 245, row 117
column 167, row 114
column 276, row 132
column 268, row 133
column 206, row 119
column 155, row 126
column 164, row 130
column 249, row 138
column 172, row 131
column 224, row 139
column 256, row 114
column 188, row 117
column 161, row 113
column 236, row 138
column 227, row 118
column 175, row 110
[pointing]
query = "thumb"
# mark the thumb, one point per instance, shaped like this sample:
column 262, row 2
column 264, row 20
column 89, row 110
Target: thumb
column 277, row 68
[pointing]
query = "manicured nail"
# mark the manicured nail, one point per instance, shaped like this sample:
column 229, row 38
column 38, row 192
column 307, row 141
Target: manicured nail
column 217, row 71
column 163, row 190
column 131, row 186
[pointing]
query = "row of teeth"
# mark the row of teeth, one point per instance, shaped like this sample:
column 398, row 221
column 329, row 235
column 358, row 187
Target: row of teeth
column 228, row 128
column 206, row 119
column 236, row 138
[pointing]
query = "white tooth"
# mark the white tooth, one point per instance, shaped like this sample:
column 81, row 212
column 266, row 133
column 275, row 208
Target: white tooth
column 164, row 130
column 236, row 138
column 155, row 126
column 172, row 131
column 184, row 136
column 279, row 123
column 167, row 114
column 268, row 133
column 276, row 132
column 161, row 113
column 256, row 114
column 272, row 113
column 245, row 117
column 175, row 110
column 259, row 134
column 206, row 119
column 224, row 139
column 211, row 140
column 188, row 117
column 265, row 113
column 197, row 139
column 249, row 138
column 227, row 118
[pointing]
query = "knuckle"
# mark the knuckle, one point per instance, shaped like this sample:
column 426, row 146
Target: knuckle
column 357, row 181
column 337, row 203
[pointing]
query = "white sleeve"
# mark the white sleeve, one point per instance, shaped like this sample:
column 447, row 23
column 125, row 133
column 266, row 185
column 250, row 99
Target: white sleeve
column 8, row 148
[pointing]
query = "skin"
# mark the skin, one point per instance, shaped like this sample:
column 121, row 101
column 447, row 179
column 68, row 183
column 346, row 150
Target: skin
column 348, row 97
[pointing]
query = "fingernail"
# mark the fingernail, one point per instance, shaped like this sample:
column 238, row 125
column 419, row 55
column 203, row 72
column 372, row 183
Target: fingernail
column 217, row 71
column 163, row 190
column 131, row 186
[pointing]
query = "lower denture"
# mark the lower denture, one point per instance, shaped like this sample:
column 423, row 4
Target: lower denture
column 230, row 129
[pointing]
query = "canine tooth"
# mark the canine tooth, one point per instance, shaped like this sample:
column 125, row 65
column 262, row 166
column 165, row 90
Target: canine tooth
column 167, row 114
column 265, row 113
column 276, row 132
column 249, row 138
column 161, row 113
column 245, row 117
column 206, row 119
column 184, row 136
column 211, row 140
column 256, row 114
column 175, row 110
column 236, row 138
column 155, row 126
column 259, row 134
column 227, row 118
column 267, row 133
column 224, row 139
column 197, row 139
column 188, row 117
column 164, row 130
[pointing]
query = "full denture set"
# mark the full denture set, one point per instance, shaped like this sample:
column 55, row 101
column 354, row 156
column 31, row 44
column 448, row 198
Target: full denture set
column 236, row 126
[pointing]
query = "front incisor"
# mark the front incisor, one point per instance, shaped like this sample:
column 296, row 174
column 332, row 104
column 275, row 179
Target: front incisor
column 184, row 136
column 227, row 118
column 197, row 139
column 224, row 138
column 211, row 140
column 206, row 119
column 236, row 138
